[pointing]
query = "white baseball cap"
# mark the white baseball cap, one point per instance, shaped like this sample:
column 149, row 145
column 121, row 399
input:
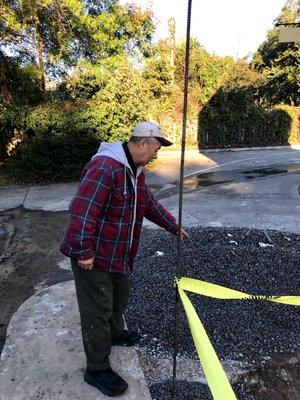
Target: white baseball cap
column 150, row 129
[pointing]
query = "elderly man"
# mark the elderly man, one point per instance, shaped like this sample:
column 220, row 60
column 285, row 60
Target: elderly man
column 102, row 240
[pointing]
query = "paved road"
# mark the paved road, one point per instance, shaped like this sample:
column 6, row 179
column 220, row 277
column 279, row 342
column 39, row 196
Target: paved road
column 253, row 188
column 258, row 189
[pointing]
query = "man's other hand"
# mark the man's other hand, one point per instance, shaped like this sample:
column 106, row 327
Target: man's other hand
column 86, row 264
column 184, row 234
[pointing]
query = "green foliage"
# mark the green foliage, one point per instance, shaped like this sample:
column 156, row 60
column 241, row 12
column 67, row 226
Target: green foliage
column 9, row 23
column 44, row 159
column 89, row 78
column 205, row 71
column 19, row 88
column 58, row 119
column 122, row 101
column 19, row 84
column 164, row 73
column 233, row 119
column 237, row 117
column 294, row 116
column 57, row 34
column 43, row 29
column 253, row 126
column 158, row 71
column 46, row 38
column 279, row 63
column 119, row 30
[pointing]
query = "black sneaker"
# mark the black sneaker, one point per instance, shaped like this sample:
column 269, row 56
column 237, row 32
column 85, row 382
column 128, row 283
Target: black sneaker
column 107, row 381
column 127, row 338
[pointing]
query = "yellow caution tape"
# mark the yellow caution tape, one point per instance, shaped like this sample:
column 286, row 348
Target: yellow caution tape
column 214, row 372
column 215, row 375
column 221, row 292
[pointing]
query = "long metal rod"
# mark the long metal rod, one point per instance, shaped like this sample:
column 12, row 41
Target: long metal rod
column 178, row 255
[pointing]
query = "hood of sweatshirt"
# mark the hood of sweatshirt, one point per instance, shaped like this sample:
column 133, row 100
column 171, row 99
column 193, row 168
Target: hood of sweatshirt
column 115, row 150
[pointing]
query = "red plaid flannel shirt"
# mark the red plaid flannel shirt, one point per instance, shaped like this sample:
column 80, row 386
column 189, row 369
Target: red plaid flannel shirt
column 102, row 216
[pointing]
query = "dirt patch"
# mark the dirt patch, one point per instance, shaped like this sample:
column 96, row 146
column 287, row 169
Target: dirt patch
column 278, row 379
column 29, row 256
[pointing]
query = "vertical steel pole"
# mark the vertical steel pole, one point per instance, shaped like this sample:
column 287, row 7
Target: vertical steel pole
column 178, row 256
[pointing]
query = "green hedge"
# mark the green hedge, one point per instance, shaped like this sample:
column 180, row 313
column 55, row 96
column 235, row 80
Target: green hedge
column 294, row 114
column 234, row 119
column 67, row 117
column 52, row 158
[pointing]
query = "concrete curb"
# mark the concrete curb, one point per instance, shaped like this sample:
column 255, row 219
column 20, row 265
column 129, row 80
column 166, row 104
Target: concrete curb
column 235, row 149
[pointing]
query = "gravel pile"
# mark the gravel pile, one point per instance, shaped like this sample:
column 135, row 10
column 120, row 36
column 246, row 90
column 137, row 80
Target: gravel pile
column 191, row 391
column 239, row 330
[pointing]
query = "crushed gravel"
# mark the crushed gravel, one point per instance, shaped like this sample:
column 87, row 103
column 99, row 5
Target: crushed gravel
column 239, row 330
column 192, row 391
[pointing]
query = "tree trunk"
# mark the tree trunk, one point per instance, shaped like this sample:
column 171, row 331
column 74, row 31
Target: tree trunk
column 3, row 143
column 172, row 38
column 40, row 57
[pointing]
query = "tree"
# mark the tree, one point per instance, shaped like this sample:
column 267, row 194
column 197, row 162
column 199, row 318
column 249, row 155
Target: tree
column 280, row 62
column 206, row 71
column 158, row 70
column 124, row 101
column 19, row 87
column 41, row 30
column 86, row 79
column 55, row 34
column 233, row 115
column 164, row 73
column 19, row 84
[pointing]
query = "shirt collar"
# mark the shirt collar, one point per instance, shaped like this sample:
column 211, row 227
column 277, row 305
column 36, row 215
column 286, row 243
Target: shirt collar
column 129, row 158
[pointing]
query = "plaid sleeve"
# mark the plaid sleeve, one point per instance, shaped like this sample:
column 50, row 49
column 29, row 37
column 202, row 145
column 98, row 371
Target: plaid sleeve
column 156, row 213
column 92, row 193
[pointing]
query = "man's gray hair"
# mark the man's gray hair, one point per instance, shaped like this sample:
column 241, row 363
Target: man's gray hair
column 136, row 140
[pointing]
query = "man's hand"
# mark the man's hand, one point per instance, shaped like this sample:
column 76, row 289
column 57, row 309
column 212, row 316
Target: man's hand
column 86, row 264
column 183, row 233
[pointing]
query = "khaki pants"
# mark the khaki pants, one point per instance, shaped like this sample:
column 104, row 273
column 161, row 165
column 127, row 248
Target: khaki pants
column 102, row 298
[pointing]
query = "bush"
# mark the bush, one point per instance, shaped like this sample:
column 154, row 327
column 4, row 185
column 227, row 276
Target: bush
column 45, row 159
column 123, row 101
column 59, row 137
column 60, row 117
column 238, row 115
column 233, row 118
column 294, row 115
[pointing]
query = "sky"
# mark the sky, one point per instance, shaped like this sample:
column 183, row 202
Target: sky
column 223, row 27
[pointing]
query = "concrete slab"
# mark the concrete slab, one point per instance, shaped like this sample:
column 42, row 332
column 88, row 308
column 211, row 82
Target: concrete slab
column 55, row 197
column 43, row 356
column 12, row 196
